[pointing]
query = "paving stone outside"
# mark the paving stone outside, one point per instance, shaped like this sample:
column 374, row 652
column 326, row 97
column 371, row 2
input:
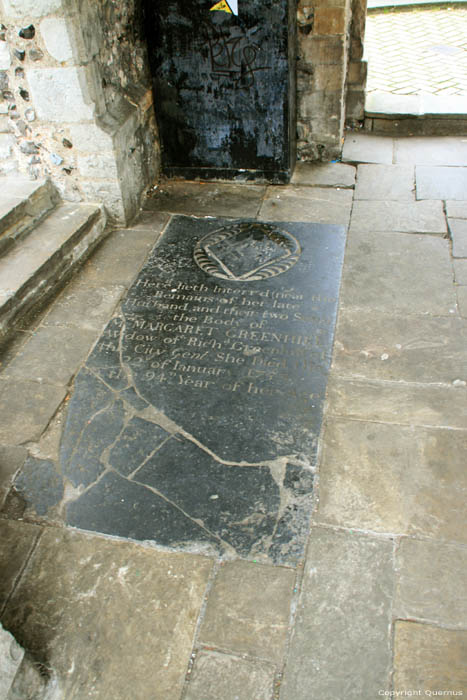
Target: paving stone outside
column 248, row 610
column 52, row 355
column 394, row 402
column 26, row 408
column 431, row 582
column 460, row 271
column 456, row 210
column 458, row 231
column 324, row 174
column 393, row 479
column 97, row 611
column 417, row 52
column 441, row 182
column 397, row 273
column 308, row 204
column 418, row 348
column 431, row 150
column 17, row 541
column 206, row 199
column 385, row 182
column 340, row 646
column 218, row 676
column 366, row 148
column 428, row 658
column 408, row 217
column 462, row 301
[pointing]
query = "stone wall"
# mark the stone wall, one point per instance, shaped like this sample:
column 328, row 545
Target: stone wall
column 77, row 102
column 357, row 75
column 323, row 35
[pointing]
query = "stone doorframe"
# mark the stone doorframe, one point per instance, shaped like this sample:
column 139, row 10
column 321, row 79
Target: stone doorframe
column 77, row 101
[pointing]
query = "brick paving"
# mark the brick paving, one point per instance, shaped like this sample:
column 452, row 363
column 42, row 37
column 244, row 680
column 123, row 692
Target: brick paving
column 417, row 50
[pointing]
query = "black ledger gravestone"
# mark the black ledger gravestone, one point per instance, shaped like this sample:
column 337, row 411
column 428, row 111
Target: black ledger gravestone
column 224, row 86
column 196, row 418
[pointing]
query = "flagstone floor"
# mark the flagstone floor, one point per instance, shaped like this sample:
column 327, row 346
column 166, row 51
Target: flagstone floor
column 375, row 604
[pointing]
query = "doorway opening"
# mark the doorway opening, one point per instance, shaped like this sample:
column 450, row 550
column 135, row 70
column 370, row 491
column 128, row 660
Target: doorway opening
column 417, row 62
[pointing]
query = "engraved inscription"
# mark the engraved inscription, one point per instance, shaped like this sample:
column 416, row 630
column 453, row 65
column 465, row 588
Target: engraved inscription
column 205, row 349
column 232, row 339
column 196, row 418
column 247, row 251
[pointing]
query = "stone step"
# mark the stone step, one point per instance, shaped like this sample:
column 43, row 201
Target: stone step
column 33, row 271
column 23, row 204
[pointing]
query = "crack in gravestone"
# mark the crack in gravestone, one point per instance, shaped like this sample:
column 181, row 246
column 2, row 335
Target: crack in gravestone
column 195, row 421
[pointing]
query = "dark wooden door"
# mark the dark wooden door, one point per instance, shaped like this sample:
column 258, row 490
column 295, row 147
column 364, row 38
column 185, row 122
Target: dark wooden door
column 224, row 86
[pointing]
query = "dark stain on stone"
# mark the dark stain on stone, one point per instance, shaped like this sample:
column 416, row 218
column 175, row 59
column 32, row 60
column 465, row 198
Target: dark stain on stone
column 39, row 485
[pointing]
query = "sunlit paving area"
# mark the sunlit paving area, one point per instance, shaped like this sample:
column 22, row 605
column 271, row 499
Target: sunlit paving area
column 418, row 51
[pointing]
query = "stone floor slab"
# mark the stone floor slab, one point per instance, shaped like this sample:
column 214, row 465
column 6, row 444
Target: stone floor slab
column 395, row 402
column 217, row 676
column 462, row 301
column 206, row 199
column 397, row 273
column 425, row 349
column 458, row 231
column 431, row 582
column 17, row 542
column 393, row 479
column 26, row 408
column 457, row 210
column 313, row 204
column 340, row 647
column 366, row 148
column 113, row 620
column 84, row 306
column 52, row 355
column 407, row 217
column 431, row 150
column 248, row 610
column 11, row 461
column 441, row 182
column 120, row 256
column 149, row 221
column 386, row 182
column 324, row 174
column 430, row 660
column 460, row 271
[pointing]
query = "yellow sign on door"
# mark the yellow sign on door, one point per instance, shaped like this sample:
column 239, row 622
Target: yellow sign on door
column 223, row 6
